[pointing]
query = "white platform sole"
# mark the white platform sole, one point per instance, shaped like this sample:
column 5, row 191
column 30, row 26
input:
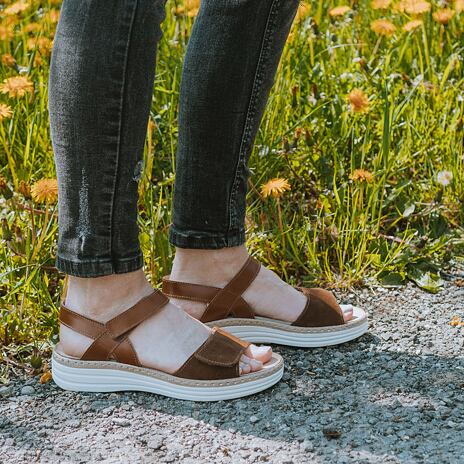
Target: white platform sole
column 69, row 375
column 262, row 330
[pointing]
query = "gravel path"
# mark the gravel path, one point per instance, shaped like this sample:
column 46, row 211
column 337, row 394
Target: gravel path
column 394, row 396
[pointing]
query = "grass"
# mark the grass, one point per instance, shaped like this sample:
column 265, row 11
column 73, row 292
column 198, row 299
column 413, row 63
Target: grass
column 377, row 184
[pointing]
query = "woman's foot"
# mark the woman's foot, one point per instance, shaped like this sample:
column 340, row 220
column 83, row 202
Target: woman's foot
column 268, row 295
column 164, row 342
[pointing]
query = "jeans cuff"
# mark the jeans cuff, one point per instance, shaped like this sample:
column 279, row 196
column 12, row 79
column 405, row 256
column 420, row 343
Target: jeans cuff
column 98, row 268
column 205, row 240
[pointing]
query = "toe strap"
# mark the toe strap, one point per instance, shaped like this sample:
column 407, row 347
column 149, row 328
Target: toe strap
column 321, row 309
column 218, row 358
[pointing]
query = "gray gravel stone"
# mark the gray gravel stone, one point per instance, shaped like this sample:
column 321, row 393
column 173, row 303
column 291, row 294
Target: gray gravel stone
column 122, row 422
column 73, row 423
column 155, row 442
column 6, row 391
column 395, row 396
column 27, row 390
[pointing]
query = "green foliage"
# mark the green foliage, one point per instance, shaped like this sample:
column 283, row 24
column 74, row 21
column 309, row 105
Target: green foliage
column 375, row 194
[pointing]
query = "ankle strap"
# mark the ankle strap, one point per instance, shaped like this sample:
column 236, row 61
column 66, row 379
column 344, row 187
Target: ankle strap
column 110, row 339
column 221, row 302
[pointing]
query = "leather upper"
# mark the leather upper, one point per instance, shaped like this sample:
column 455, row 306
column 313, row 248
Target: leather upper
column 321, row 308
column 217, row 358
column 221, row 302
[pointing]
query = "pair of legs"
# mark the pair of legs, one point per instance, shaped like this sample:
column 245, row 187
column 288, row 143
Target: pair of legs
column 100, row 91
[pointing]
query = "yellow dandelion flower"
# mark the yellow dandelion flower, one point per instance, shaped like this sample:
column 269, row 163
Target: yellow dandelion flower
column 16, row 8
column 383, row 27
column 275, row 187
column 456, row 321
column 414, row 7
column 339, row 11
column 303, row 12
column 359, row 101
column 192, row 4
column 6, row 33
column 192, row 7
column 31, row 28
column 8, row 60
column 37, row 60
column 45, row 191
column 5, row 111
column 361, row 175
column 52, row 16
column 43, row 44
column 411, row 25
column 380, row 4
column 16, row 86
column 10, row 21
column 459, row 6
column 443, row 16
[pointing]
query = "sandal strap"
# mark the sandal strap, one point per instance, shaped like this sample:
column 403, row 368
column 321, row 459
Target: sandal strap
column 110, row 339
column 221, row 302
column 218, row 358
column 186, row 291
column 321, row 309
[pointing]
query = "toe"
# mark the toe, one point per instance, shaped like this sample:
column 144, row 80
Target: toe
column 347, row 312
column 256, row 365
column 245, row 367
column 260, row 353
column 252, row 364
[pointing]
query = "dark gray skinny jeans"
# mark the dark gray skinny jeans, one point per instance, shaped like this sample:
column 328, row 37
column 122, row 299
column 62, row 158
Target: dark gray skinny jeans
column 100, row 91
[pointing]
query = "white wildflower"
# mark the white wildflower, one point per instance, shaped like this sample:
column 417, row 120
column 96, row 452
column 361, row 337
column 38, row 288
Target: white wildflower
column 444, row 177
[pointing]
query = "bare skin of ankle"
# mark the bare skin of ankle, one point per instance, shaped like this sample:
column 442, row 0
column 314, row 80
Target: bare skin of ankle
column 165, row 341
column 268, row 295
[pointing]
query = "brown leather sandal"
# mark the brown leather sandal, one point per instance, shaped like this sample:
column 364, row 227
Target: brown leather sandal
column 320, row 324
column 111, row 363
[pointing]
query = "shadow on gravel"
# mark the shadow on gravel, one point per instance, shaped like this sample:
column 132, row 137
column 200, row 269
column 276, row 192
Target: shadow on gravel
column 362, row 397
column 353, row 394
column 393, row 398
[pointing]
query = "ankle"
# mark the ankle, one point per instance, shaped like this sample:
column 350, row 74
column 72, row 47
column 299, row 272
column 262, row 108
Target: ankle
column 102, row 298
column 215, row 267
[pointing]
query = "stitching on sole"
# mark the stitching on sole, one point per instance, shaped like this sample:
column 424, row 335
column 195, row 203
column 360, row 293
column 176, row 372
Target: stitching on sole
column 162, row 376
column 287, row 328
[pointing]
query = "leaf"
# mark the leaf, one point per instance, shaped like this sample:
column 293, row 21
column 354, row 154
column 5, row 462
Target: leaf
column 392, row 279
column 409, row 209
column 332, row 433
column 438, row 225
column 35, row 361
column 375, row 259
column 144, row 241
column 45, row 377
column 425, row 278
